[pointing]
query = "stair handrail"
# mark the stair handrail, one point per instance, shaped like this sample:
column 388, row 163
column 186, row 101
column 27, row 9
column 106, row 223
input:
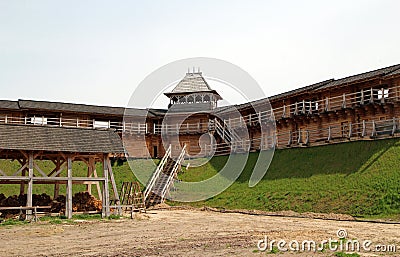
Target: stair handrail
column 173, row 173
column 157, row 173
column 228, row 131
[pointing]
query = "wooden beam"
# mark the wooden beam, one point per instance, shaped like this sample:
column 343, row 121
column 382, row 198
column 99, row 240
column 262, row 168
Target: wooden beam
column 114, row 186
column 56, row 186
column 90, row 167
column 58, row 164
column 39, row 170
column 68, row 199
column 30, row 185
column 22, row 185
column 106, row 195
column 21, row 169
column 57, row 174
column 97, row 184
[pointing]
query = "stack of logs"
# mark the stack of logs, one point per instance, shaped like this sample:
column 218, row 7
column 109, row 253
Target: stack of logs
column 81, row 201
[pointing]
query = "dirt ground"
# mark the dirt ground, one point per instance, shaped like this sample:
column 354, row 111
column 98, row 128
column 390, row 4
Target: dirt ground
column 185, row 233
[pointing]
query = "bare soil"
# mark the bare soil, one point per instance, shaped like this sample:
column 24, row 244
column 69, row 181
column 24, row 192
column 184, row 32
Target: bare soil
column 185, row 233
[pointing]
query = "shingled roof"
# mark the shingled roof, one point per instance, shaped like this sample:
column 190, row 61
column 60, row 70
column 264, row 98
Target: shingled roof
column 327, row 84
column 69, row 107
column 9, row 105
column 362, row 76
column 42, row 138
column 191, row 83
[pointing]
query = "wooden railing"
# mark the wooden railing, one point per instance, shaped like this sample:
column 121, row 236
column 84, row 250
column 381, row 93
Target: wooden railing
column 365, row 130
column 350, row 100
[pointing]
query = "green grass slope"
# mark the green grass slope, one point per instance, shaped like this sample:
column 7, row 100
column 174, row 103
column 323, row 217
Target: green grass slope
column 358, row 178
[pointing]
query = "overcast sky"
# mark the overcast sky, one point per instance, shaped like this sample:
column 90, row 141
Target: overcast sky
column 97, row 52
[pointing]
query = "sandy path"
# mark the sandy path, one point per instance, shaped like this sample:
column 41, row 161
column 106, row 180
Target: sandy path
column 183, row 233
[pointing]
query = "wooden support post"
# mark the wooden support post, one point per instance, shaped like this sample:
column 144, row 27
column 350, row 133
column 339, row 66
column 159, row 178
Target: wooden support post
column 344, row 101
column 284, row 111
column 350, row 129
column 373, row 129
column 90, row 174
column 326, row 104
column 30, row 186
column 362, row 97
column 329, row 133
column 114, row 186
column 100, row 195
column 22, row 186
column 299, row 139
column 363, row 129
column 371, row 98
column 106, row 196
column 394, row 126
column 57, row 185
column 68, row 199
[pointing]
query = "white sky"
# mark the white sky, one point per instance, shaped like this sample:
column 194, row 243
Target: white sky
column 97, row 52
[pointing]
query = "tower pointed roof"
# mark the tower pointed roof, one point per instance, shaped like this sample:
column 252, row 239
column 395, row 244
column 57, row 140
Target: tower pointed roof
column 193, row 82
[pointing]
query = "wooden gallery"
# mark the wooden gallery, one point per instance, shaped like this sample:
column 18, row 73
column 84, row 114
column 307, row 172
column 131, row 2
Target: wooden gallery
column 359, row 107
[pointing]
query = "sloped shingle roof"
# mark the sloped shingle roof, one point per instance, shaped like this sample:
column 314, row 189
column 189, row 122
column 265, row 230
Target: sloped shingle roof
column 38, row 138
column 192, row 82
column 69, row 107
column 9, row 105
column 361, row 76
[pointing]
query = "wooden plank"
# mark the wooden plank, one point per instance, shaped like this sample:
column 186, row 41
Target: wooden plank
column 97, row 184
column 56, row 185
column 39, row 170
column 106, row 195
column 30, row 185
column 90, row 165
column 114, row 186
column 68, row 199
column 59, row 170
column 22, row 186
column 21, row 169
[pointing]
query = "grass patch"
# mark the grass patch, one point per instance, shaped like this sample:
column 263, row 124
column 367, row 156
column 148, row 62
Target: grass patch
column 86, row 217
column 343, row 254
column 358, row 178
column 12, row 222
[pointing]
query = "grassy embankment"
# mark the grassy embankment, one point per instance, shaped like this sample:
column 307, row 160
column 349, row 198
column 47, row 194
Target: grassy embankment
column 359, row 178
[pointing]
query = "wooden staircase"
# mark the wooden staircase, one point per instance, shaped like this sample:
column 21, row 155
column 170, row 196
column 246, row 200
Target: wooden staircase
column 130, row 198
column 163, row 178
column 230, row 137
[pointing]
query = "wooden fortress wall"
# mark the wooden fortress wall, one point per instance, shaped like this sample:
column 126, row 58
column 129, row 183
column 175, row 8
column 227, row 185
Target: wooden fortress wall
column 302, row 116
